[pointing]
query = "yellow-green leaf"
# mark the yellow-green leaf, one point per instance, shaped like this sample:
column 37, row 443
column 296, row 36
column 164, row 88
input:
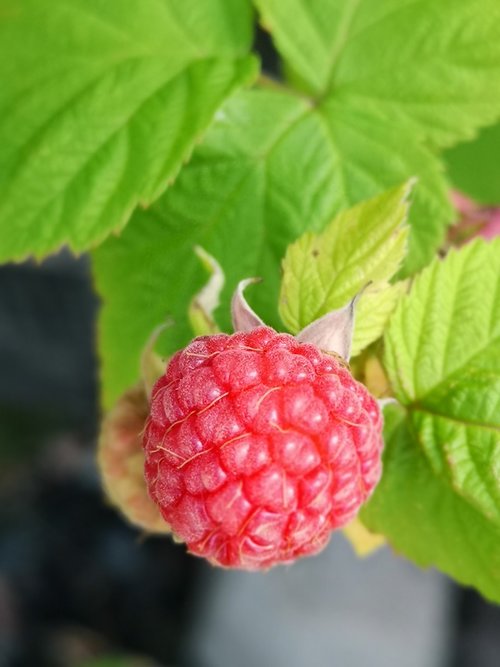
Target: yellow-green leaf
column 322, row 272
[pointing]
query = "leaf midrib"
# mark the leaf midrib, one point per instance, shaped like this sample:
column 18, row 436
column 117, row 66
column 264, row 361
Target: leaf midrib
column 75, row 98
column 419, row 407
column 458, row 371
column 441, row 479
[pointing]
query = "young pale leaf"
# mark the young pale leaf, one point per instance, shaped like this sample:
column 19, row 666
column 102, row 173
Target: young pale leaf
column 373, row 310
column 100, row 103
column 322, row 272
column 434, row 82
column 439, row 499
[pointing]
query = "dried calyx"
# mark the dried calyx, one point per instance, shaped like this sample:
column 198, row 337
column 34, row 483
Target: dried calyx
column 331, row 333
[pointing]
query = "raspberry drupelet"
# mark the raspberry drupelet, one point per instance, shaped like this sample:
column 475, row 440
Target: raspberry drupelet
column 258, row 446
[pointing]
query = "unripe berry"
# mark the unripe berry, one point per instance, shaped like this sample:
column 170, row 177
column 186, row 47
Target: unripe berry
column 121, row 461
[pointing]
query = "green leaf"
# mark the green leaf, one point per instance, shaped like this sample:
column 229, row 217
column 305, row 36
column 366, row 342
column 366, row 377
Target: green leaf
column 373, row 311
column 370, row 155
column 439, row 498
column 100, row 103
column 432, row 84
column 263, row 175
column 242, row 199
column 447, row 331
column 323, row 272
column 474, row 166
column 425, row 519
column 439, row 66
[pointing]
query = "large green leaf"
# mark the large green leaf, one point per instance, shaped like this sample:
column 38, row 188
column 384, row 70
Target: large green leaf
column 368, row 155
column 439, row 498
column 100, row 102
column 391, row 79
column 474, row 166
column 242, row 197
column 265, row 173
column 364, row 244
column 436, row 64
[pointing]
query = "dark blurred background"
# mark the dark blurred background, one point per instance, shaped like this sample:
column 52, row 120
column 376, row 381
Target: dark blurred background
column 80, row 588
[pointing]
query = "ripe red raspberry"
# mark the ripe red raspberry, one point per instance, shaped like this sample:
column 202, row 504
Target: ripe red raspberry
column 258, row 446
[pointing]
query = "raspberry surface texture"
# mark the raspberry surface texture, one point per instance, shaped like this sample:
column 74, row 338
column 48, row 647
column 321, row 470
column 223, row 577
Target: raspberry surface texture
column 258, row 446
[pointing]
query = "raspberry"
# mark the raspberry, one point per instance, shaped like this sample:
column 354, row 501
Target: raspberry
column 259, row 445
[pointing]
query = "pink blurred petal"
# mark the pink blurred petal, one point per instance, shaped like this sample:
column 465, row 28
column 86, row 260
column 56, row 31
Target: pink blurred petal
column 492, row 227
column 473, row 220
column 462, row 203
